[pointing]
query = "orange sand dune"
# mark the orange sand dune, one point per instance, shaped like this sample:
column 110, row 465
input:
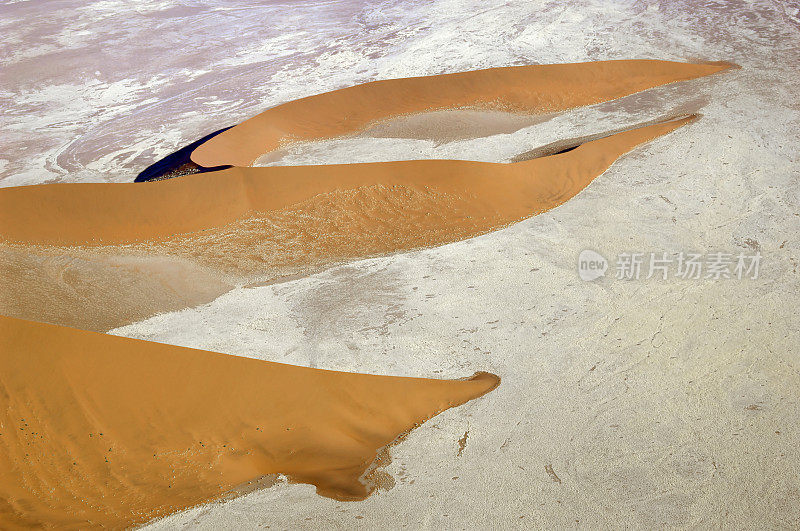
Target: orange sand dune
column 246, row 225
column 532, row 89
column 100, row 430
column 108, row 431
column 97, row 256
column 91, row 214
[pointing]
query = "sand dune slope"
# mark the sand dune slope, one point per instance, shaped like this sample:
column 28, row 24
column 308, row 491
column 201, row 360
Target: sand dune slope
column 95, row 214
column 110, row 431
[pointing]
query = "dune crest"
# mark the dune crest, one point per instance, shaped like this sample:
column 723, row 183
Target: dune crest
column 108, row 431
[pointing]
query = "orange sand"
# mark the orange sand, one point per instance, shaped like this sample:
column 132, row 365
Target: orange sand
column 103, row 430
column 246, row 225
column 532, row 89
column 89, row 214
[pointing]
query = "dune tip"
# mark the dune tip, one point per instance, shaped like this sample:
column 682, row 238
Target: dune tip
column 723, row 65
column 491, row 381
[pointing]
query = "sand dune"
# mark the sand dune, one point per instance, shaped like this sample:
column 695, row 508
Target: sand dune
column 95, row 429
column 531, row 90
column 101, row 430
column 98, row 256
column 247, row 225
column 97, row 214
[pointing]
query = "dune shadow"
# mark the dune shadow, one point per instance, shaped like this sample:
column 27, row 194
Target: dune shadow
column 178, row 163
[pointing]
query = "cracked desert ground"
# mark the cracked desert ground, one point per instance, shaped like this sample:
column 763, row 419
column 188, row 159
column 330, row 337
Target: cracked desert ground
column 624, row 403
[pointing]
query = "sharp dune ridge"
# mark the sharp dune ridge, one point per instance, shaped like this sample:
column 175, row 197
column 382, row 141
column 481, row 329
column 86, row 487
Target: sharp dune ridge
column 97, row 256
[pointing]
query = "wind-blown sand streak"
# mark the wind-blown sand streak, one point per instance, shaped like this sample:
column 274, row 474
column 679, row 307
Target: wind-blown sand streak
column 103, row 430
column 96, row 290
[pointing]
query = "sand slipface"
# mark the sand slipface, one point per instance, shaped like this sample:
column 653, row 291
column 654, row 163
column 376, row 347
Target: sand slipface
column 108, row 431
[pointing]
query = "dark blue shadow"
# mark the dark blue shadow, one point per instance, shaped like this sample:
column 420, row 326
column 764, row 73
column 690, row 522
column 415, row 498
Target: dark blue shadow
column 178, row 163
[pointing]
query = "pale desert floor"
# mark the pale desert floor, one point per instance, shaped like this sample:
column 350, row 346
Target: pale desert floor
column 623, row 403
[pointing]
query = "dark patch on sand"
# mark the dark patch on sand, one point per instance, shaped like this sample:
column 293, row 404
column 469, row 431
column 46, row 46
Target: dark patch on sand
column 462, row 443
column 552, row 474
